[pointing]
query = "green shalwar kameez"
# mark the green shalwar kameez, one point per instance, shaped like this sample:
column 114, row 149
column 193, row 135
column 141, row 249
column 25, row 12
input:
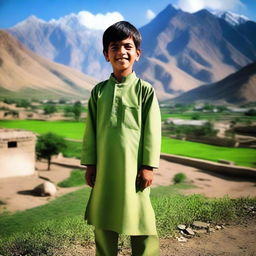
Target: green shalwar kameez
column 123, row 133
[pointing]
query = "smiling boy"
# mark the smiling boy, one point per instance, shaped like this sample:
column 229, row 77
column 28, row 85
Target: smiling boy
column 120, row 149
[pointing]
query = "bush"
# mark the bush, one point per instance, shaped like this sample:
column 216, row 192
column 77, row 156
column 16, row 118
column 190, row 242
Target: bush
column 206, row 130
column 179, row 178
column 49, row 109
column 23, row 104
column 251, row 112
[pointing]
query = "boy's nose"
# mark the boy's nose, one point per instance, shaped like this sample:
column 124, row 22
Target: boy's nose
column 121, row 49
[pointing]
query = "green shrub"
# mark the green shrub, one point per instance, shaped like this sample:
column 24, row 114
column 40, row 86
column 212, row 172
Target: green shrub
column 179, row 178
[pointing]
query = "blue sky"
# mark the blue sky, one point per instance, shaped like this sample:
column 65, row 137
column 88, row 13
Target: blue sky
column 139, row 12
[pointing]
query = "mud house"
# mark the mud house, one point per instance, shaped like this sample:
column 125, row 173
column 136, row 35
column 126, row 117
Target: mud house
column 17, row 153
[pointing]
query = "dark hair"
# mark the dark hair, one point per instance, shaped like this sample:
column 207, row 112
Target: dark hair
column 120, row 31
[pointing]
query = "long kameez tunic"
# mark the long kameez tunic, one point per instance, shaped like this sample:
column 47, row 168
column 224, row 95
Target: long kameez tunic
column 123, row 133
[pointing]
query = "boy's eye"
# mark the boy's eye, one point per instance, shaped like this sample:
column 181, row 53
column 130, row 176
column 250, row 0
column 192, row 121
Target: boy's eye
column 128, row 47
column 114, row 47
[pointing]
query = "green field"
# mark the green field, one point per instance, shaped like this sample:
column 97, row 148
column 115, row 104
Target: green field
column 74, row 130
column 67, row 129
column 241, row 156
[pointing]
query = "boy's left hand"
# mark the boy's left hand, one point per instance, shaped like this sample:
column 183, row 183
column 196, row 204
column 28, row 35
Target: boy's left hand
column 144, row 178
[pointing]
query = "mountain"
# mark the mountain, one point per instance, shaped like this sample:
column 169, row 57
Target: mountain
column 24, row 74
column 232, row 18
column 237, row 88
column 66, row 41
column 180, row 50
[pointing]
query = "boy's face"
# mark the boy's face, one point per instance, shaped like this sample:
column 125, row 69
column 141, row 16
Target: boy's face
column 122, row 55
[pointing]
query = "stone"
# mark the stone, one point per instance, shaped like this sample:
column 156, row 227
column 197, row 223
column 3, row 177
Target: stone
column 45, row 189
column 217, row 227
column 185, row 234
column 211, row 230
column 60, row 156
column 182, row 239
column 201, row 231
column 190, row 231
column 181, row 227
column 200, row 224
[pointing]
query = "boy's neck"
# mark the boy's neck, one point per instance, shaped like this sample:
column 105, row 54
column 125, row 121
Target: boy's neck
column 119, row 75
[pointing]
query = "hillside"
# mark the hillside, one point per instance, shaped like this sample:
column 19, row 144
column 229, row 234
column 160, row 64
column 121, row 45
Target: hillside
column 24, row 74
column 239, row 87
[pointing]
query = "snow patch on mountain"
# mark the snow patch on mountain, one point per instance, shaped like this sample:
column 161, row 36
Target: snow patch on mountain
column 232, row 18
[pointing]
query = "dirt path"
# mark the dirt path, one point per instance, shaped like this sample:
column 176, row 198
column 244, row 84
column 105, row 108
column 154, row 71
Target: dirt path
column 233, row 240
column 15, row 192
column 207, row 183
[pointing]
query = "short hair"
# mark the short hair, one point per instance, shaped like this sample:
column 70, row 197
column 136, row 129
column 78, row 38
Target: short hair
column 120, row 31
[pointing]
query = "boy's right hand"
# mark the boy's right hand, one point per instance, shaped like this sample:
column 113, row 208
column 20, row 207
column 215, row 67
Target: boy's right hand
column 90, row 175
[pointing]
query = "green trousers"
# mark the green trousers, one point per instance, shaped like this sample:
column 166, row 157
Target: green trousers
column 107, row 244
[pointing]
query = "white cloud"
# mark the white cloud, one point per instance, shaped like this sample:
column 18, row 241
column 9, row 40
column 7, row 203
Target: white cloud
column 224, row 5
column 99, row 21
column 150, row 14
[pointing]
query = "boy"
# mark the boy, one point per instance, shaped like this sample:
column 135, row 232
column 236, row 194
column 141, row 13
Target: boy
column 121, row 147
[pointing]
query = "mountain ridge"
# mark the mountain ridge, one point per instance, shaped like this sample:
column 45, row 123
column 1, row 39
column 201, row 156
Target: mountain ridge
column 22, row 71
column 237, row 88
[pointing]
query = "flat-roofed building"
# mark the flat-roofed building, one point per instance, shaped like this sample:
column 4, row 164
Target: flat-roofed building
column 17, row 153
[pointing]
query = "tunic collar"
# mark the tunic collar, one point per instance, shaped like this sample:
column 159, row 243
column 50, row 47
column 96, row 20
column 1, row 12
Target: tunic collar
column 125, row 80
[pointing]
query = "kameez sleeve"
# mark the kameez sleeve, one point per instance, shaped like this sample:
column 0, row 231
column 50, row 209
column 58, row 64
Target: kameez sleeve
column 89, row 151
column 151, row 119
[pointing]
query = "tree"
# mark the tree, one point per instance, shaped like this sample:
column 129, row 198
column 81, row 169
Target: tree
column 77, row 110
column 250, row 112
column 49, row 109
column 68, row 111
column 49, row 144
column 23, row 103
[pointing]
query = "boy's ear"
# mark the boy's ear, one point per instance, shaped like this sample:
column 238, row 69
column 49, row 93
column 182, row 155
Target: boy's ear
column 106, row 56
column 138, row 51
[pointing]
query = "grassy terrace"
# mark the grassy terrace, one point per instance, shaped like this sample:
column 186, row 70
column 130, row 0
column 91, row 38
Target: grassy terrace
column 74, row 130
column 47, row 229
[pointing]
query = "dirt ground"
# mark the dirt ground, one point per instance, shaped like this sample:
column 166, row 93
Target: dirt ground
column 236, row 239
column 16, row 191
column 233, row 240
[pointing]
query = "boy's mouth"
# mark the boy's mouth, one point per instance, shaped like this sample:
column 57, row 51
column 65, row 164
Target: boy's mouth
column 121, row 59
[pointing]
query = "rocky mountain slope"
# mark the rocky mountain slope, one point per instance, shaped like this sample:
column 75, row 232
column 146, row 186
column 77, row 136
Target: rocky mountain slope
column 183, row 50
column 65, row 41
column 239, row 87
column 24, row 74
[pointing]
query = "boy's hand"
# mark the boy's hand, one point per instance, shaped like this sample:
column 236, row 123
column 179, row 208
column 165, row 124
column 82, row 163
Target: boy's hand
column 90, row 175
column 144, row 178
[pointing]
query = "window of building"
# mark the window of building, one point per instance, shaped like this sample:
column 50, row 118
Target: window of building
column 12, row 144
